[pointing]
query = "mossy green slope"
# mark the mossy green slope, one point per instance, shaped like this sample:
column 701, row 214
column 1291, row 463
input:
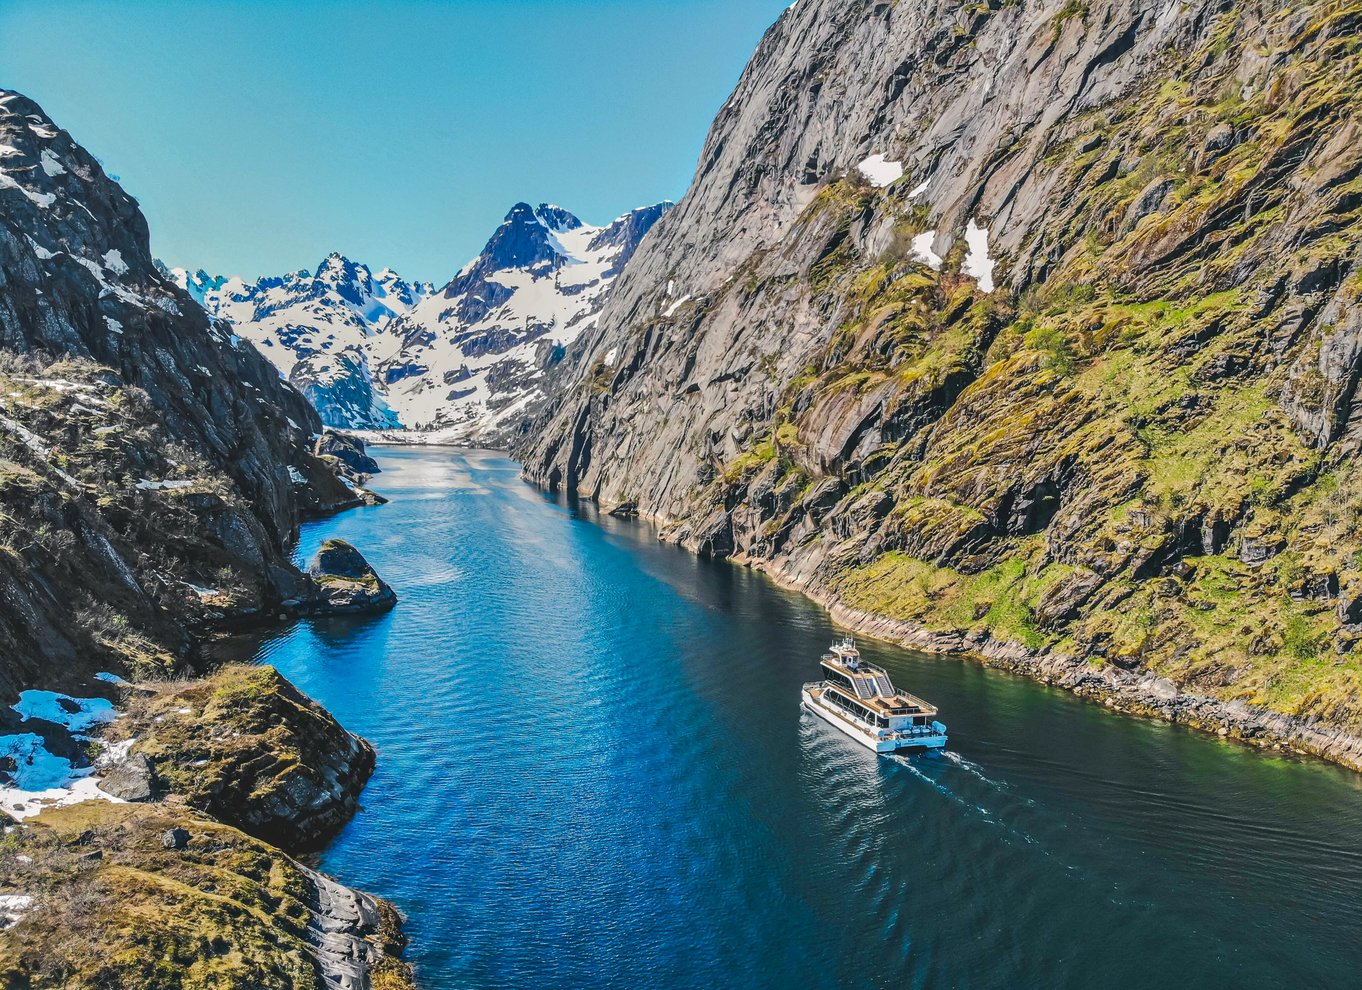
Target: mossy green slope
column 114, row 908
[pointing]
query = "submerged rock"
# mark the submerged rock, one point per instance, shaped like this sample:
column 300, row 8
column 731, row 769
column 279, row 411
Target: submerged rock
column 346, row 582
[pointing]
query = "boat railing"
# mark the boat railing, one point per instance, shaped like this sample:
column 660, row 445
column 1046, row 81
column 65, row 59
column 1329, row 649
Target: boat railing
column 913, row 731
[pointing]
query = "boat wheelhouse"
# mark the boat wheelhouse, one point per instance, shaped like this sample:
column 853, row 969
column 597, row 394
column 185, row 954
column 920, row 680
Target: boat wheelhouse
column 858, row 698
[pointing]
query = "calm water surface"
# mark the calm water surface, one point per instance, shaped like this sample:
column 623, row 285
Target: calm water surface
column 594, row 772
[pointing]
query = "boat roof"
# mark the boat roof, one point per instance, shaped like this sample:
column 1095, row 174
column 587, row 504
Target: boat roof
column 871, row 686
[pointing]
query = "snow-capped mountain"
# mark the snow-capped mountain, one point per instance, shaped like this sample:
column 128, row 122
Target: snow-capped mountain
column 468, row 362
column 317, row 329
column 461, row 365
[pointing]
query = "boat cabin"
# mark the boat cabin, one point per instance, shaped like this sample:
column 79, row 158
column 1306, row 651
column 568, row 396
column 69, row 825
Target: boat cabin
column 865, row 691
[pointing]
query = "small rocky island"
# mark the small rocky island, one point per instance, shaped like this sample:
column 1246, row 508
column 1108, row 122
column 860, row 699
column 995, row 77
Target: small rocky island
column 346, row 582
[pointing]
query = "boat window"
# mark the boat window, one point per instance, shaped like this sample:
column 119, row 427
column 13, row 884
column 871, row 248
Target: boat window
column 838, row 678
column 847, row 704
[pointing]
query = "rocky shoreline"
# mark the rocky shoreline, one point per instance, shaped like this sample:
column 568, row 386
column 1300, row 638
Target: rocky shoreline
column 1121, row 690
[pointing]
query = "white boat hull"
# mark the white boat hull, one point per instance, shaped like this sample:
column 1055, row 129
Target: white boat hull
column 871, row 740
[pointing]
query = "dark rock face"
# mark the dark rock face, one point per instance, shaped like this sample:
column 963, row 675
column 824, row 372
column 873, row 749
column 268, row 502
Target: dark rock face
column 1081, row 376
column 248, row 748
column 347, row 449
column 346, row 582
column 149, row 450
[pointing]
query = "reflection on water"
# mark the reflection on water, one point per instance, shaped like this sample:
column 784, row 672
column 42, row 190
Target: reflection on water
column 594, row 771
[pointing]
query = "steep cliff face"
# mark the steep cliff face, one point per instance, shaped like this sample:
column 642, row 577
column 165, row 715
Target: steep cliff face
column 153, row 468
column 153, row 471
column 1037, row 322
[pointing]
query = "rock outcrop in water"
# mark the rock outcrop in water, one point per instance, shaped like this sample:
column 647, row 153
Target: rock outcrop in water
column 346, row 582
column 1025, row 324
column 247, row 747
column 348, row 450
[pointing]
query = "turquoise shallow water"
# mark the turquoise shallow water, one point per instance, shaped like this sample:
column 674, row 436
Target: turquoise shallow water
column 594, row 772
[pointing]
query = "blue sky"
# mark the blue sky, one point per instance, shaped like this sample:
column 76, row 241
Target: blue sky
column 259, row 135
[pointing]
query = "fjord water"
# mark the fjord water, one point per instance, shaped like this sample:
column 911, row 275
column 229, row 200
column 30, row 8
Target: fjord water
column 594, row 772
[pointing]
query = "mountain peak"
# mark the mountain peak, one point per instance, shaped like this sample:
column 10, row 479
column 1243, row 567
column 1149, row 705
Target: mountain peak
column 556, row 219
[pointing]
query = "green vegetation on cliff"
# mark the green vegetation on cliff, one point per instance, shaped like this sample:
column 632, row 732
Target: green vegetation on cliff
column 1141, row 449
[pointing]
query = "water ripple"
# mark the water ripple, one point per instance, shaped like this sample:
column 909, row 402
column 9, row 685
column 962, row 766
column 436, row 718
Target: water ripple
column 594, row 771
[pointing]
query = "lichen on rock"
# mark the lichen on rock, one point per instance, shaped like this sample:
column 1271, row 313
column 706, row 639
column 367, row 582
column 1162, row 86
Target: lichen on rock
column 112, row 903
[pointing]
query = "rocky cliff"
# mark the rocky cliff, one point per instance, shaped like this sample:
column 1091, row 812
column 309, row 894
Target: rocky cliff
column 153, row 468
column 1035, row 325
column 153, row 472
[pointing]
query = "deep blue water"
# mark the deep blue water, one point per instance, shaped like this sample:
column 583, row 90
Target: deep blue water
column 594, row 772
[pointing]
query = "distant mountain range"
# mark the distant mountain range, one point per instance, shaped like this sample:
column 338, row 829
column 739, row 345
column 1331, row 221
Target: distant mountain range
column 465, row 363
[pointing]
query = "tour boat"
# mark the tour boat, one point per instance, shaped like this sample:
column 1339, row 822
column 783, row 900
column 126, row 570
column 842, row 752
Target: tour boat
column 858, row 698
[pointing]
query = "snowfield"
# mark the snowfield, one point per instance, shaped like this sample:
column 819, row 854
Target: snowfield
column 463, row 364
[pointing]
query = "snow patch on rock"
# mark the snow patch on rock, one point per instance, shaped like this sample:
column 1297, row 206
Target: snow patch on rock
column 978, row 265
column 879, row 171
column 922, row 250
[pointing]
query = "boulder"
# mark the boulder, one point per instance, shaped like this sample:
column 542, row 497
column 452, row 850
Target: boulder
column 346, row 582
column 175, row 838
column 131, row 779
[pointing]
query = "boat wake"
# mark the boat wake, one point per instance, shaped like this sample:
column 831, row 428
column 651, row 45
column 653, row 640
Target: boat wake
column 986, row 813
column 975, row 770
